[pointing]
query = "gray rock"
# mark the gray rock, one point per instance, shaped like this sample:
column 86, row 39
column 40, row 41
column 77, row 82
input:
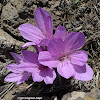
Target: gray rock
column 24, row 7
column 66, row 96
column 7, row 42
column 15, row 13
column 9, row 19
column 9, row 13
column 94, row 94
column 3, row 71
column 79, row 98
column 74, row 96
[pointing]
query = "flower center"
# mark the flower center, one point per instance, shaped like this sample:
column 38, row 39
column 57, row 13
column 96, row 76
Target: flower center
column 63, row 58
column 44, row 67
column 41, row 67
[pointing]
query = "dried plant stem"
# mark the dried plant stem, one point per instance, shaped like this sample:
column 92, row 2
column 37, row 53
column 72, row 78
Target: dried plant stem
column 4, row 92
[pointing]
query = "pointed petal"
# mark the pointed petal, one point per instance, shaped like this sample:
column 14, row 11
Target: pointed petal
column 28, row 44
column 83, row 73
column 31, row 32
column 44, row 22
column 49, row 75
column 13, row 77
column 30, row 56
column 66, row 69
column 56, row 47
column 46, row 59
column 79, row 57
column 74, row 41
column 14, row 68
column 44, row 42
column 26, row 66
column 60, row 32
column 49, row 27
column 24, row 77
column 36, row 76
column 17, row 57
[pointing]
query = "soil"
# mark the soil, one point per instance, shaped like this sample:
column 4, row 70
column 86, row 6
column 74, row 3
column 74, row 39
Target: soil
column 75, row 15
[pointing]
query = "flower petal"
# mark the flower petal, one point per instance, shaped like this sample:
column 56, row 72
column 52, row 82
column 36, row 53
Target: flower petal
column 49, row 27
column 17, row 57
column 13, row 77
column 30, row 56
column 31, row 32
column 79, row 57
column 26, row 66
column 14, row 68
column 28, row 44
column 44, row 22
column 74, row 41
column 60, row 32
column 24, row 77
column 49, row 75
column 44, row 42
column 56, row 47
column 46, row 59
column 83, row 73
column 65, row 69
column 36, row 75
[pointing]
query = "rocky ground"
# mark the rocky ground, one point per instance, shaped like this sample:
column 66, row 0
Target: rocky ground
column 76, row 15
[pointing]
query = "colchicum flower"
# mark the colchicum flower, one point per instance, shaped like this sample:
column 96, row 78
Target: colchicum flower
column 18, row 75
column 42, row 33
column 67, row 58
column 28, row 65
column 61, row 51
column 39, row 72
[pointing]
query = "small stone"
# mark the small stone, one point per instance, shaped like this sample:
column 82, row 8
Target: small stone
column 28, row 2
column 55, row 98
column 68, row 26
column 78, row 28
column 0, row 7
column 98, row 4
column 58, row 13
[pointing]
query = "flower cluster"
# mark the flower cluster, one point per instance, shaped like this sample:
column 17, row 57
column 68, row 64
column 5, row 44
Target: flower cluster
column 60, row 51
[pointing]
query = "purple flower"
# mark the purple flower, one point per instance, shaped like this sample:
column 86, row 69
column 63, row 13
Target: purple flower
column 66, row 56
column 42, row 33
column 39, row 72
column 18, row 75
